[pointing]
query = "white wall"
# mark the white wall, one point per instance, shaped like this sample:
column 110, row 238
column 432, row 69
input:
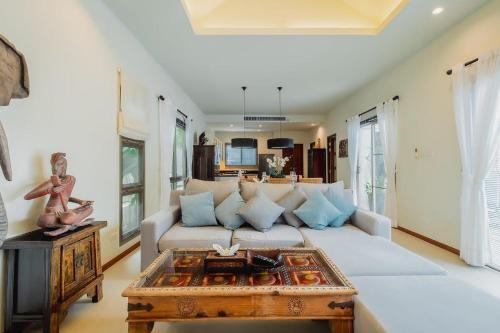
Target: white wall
column 429, row 187
column 73, row 50
column 302, row 137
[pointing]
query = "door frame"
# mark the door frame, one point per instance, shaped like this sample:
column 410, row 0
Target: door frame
column 329, row 153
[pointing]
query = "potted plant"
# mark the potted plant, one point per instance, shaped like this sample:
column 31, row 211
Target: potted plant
column 276, row 166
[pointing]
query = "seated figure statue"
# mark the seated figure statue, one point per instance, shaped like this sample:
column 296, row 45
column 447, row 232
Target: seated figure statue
column 57, row 214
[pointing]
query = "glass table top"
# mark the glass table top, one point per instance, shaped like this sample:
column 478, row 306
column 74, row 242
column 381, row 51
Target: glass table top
column 182, row 269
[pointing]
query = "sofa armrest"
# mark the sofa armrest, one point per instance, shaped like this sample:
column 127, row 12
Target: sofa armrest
column 372, row 223
column 152, row 228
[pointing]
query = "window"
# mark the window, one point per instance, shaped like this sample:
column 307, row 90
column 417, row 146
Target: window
column 372, row 180
column 492, row 189
column 179, row 163
column 131, row 188
column 240, row 156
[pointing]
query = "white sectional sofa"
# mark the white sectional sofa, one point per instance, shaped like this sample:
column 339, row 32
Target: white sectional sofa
column 398, row 289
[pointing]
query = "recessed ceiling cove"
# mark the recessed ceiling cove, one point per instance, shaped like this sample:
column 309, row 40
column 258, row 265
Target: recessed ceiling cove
column 291, row 17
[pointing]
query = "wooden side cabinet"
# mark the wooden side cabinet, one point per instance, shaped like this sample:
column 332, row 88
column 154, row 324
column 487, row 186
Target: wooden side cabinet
column 203, row 162
column 45, row 275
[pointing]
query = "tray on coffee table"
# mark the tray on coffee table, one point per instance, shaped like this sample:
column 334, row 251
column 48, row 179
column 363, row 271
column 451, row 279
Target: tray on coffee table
column 177, row 287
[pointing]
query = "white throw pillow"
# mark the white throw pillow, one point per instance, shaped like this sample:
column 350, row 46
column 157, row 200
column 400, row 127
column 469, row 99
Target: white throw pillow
column 272, row 191
column 221, row 190
column 309, row 189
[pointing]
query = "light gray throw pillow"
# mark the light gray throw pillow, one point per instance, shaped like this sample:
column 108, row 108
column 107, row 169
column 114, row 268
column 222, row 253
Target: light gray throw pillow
column 198, row 210
column 227, row 211
column 261, row 212
column 291, row 201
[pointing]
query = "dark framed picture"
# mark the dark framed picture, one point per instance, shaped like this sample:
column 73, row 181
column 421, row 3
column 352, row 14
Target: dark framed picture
column 343, row 152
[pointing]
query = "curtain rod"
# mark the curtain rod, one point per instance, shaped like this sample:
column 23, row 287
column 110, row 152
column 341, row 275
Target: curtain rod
column 468, row 63
column 162, row 98
column 395, row 98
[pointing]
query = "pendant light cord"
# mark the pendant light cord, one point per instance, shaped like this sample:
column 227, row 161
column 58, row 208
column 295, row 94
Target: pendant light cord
column 279, row 98
column 244, row 109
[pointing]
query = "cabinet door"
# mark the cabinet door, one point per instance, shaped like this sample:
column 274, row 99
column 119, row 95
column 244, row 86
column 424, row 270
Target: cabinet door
column 86, row 266
column 78, row 265
column 69, row 271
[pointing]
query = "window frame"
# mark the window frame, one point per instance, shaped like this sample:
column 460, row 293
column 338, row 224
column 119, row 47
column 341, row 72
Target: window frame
column 179, row 123
column 241, row 156
column 139, row 188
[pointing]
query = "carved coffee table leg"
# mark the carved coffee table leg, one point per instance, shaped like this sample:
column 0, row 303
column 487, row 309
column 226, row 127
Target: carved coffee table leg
column 142, row 327
column 341, row 326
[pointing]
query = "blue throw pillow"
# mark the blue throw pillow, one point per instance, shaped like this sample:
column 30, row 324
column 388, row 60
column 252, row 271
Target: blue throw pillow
column 346, row 207
column 317, row 212
column 227, row 211
column 198, row 210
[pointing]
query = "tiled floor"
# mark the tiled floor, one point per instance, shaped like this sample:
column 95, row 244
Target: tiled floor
column 109, row 315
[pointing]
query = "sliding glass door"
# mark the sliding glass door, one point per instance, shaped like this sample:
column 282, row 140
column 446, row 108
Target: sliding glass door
column 372, row 180
column 492, row 190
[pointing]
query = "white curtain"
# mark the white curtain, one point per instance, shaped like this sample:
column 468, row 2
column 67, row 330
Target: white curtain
column 189, row 147
column 353, row 128
column 476, row 93
column 167, row 115
column 387, row 117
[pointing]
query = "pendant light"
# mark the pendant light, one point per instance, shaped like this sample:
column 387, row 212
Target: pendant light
column 279, row 143
column 244, row 142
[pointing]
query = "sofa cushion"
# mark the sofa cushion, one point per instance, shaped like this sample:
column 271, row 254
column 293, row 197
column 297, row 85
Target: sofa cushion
column 291, row 201
column 280, row 235
column 347, row 208
column 309, row 189
column 317, row 212
column 179, row 236
column 415, row 304
column 221, row 190
column 272, row 191
column 261, row 212
column 198, row 210
column 227, row 211
column 359, row 254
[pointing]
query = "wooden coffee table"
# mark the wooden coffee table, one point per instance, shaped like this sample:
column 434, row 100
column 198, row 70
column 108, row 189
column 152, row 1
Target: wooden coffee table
column 175, row 287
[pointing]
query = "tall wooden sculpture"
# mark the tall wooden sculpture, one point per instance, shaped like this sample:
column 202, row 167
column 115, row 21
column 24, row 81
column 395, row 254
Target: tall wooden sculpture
column 14, row 83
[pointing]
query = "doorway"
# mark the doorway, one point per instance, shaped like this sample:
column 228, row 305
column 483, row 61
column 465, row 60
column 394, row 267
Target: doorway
column 296, row 156
column 332, row 158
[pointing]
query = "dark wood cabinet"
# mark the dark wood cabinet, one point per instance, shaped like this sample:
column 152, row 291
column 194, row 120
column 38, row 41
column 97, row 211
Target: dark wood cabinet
column 316, row 163
column 45, row 275
column 204, row 162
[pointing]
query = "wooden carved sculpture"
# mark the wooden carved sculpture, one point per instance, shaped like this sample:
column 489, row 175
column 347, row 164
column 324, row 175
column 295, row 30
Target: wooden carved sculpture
column 14, row 83
column 57, row 214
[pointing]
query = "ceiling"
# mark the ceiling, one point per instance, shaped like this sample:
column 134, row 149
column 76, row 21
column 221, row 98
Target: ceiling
column 290, row 17
column 315, row 71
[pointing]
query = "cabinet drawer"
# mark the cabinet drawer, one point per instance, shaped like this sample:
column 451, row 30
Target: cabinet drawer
column 77, row 265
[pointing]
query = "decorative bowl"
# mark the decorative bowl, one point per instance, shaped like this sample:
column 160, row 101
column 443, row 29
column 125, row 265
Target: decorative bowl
column 255, row 265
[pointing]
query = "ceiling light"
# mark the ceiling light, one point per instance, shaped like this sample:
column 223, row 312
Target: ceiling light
column 260, row 125
column 244, row 142
column 231, row 125
column 279, row 143
column 438, row 10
